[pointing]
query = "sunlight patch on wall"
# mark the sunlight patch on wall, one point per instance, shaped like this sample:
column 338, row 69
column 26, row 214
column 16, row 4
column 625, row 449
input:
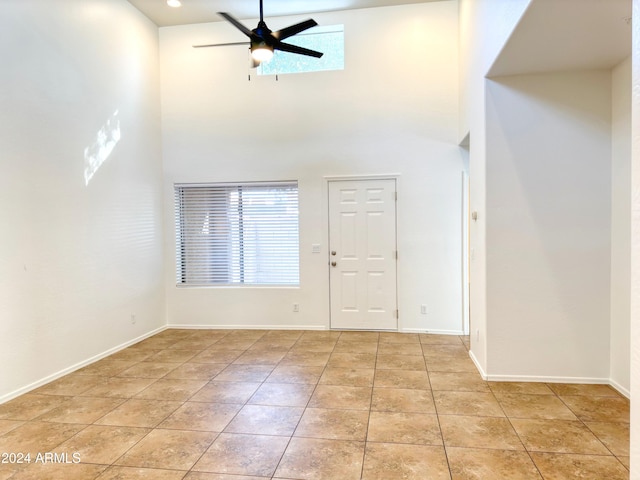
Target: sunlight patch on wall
column 97, row 153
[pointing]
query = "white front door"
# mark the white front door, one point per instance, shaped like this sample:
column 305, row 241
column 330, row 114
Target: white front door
column 362, row 254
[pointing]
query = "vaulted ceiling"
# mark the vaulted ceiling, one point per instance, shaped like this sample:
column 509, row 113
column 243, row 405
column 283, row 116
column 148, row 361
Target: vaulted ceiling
column 203, row 11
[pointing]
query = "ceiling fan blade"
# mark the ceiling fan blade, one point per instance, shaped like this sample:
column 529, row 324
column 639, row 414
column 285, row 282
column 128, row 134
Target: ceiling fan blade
column 287, row 47
column 236, row 23
column 222, row 44
column 294, row 29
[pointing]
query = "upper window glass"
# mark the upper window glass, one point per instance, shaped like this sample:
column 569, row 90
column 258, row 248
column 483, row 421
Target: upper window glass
column 326, row 39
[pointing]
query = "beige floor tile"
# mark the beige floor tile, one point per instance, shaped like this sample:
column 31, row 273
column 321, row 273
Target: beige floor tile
column 554, row 466
column 558, row 436
column 119, row 387
column 401, row 427
column 172, row 356
column 332, row 424
column 193, row 344
column 479, row 432
column 353, row 336
column 356, row 377
column 399, row 349
column 133, row 473
column 206, row 417
column 430, row 339
column 238, row 343
column 8, row 425
column 528, row 388
column 225, row 392
column 269, row 344
column 318, row 459
column 212, row 355
column 402, row 400
column 37, row 437
column 282, row 394
column 590, row 390
column 235, row 454
column 306, row 359
column 73, row 384
column 615, row 436
column 311, row 335
column 68, row 471
column 339, row 396
column 453, row 364
column 320, row 346
column 219, row 476
column 412, row 379
column 626, row 461
column 265, row 420
column 172, row 389
column 260, row 357
column 599, row 409
column 244, row 373
column 467, row 403
column 148, row 370
column 133, row 354
column 30, row 406
column 102, row 444
column 107, row 367
column 295, row 374
column 391, row 461
column 487, row 464
column 343, row 346
column 458, row 381
column 196, row 371
column 397, row 337
column 352, row 360
column 447, row 350
column 400, row 362
column 170, row 449
column 139, row 413
column 548, row 407
column 81, row 410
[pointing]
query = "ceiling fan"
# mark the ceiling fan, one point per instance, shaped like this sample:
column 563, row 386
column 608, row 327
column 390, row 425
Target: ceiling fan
column 263, row 41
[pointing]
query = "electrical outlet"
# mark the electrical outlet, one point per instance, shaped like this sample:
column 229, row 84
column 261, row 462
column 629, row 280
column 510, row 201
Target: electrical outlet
column 423, row 309
column 296, row 307
column 477, row 334
column 133, row 319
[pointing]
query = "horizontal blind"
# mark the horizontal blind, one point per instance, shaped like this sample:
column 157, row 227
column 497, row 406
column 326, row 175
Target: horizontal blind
column 235, row 234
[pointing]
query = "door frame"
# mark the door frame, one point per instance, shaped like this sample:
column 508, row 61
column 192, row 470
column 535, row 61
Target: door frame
column 350, row 178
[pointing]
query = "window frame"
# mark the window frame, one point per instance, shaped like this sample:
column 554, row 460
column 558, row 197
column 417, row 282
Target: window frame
column 237, row 246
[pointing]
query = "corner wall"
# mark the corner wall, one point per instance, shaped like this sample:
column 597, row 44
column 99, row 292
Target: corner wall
column 548, row 226
column 620, row 225
column 80, row 209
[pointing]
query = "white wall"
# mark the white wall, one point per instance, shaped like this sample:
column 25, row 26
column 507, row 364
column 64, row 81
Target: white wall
column 77, row 260
column 635, row 248
column 620, row 224
column 393, row 110
column 548, row 206
column 485, row 27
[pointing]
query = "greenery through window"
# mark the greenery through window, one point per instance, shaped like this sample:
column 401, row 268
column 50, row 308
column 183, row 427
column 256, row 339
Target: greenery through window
column 326, row 39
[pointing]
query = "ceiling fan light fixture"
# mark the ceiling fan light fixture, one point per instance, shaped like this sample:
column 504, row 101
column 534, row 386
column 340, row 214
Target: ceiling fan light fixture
column 174, row 3
column 262, row 52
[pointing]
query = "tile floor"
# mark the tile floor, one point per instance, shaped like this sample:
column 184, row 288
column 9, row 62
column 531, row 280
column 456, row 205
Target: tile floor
column 250, row 405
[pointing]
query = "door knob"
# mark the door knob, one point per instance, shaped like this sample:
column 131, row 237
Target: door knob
column 333, row 252
column 333, row 264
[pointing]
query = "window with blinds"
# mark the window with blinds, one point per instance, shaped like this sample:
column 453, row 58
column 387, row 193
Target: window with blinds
column 237, row 234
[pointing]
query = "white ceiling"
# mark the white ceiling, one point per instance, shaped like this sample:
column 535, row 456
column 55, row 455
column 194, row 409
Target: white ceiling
column 555, row 35
column 203, row 11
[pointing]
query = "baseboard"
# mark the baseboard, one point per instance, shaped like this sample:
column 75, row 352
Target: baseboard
column 477, row 364
column 77, row 366
column 247, row 327
column 545, row 379
column 622, row 390
column 431, row 332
